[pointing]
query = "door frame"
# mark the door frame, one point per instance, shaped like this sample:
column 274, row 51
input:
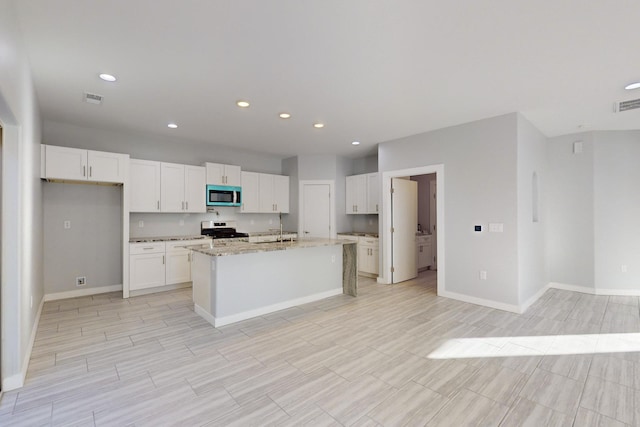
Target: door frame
column 332, row 204
column 385, row 224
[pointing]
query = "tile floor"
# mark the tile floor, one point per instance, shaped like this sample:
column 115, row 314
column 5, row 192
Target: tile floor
column 571, row 360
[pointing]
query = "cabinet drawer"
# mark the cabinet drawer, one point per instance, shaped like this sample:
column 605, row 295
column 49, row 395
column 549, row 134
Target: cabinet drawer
column 180, row 245
column 146, row 248
column 368, row 241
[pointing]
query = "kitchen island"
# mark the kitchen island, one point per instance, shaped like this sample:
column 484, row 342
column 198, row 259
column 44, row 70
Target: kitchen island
column 238, row 280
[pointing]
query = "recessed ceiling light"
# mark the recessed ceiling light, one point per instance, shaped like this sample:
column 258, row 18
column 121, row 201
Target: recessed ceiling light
column 172, row 126
column 355, row 143
column 630, row 86
column 242, row 104
column 285, row 115
column 107, row 77
column 318, row 125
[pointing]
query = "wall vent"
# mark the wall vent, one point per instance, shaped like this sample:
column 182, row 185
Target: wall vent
column 93, row 98
column 621, row 106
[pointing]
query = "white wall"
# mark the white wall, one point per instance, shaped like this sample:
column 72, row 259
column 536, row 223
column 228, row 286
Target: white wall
column 22, row 255
column 480, row 187
column 532, row 158
column 616, row 175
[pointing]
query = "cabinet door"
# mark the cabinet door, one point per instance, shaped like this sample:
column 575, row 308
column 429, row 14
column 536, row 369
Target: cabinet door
column 144, row 186
column 232, row 175
column 267, row 200
column 178, row 267
column 250, row 192
column 351, row 195
column 363, row 258
column 281, row 193
column 66, row 163
column 146, row 271
column 172, row 187
column 361, row 194
column 106, row 167
column 374, row 262
column 215, row 174
column 372, row 193
column 195, row 188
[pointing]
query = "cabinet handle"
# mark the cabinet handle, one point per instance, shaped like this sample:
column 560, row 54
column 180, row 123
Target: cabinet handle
column 90, row 170
column 162, row 259
column 189, row 257
column 158, row 204
column 147, row 249
column 84, row 171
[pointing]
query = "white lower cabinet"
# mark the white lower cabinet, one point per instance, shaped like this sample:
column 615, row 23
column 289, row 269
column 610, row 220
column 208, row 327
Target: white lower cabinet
column 368, row 252
column 146, row 265
column 158, row 264
column 423, row 252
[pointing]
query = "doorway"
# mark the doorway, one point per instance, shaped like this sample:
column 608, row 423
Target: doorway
column 386, row 226
column 317, row 209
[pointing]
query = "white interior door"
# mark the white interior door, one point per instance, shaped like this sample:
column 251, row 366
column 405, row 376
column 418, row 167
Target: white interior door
column 316, row 210
column 404, row 222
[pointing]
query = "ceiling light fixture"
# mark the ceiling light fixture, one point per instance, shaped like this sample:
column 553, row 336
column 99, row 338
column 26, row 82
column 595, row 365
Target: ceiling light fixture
column 108, row 77
column 355, row 143
column 242, row 104
column 285, row 115
column 318, row 125
column 631, row 86
column 172, row 126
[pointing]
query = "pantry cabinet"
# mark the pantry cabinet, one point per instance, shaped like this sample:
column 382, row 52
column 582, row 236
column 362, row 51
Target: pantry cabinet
column 75, row 164
column 220, row 174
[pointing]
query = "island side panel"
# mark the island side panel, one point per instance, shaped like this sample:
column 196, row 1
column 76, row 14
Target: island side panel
column 350, row 269
column 253, row 284
column 201, row 276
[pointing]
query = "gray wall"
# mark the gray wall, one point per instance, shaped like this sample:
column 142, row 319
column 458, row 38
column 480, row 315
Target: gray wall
column 22, row 254
column 91, row 247
column 616, row 214
column 569, row 213
column 480, row 187
column 532, row 157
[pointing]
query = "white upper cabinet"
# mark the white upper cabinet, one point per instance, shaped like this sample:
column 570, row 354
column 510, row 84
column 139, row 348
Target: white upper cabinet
column 219, row 174
column 84, row 165
column 274, row 193
column 373, row 193
column 182, row 188
column 144, row 186
column 250, row 192
column 195, row 186
column 362, row 194
column 264, row 193
column 356, row 193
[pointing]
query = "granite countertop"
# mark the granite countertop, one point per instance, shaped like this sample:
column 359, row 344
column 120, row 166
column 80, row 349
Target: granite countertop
column 359, row 234
column 166, row 238
column 220, row 248
column 269, row 233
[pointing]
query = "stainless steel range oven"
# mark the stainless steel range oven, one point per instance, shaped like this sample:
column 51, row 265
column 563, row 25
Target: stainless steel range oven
column 220, row 229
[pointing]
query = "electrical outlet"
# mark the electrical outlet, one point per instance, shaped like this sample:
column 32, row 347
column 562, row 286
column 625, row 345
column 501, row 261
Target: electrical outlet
column 81, row 281
column 140, row 224
column 483, row 275
column 333, row 259
column 623, row 268
column 67, row 225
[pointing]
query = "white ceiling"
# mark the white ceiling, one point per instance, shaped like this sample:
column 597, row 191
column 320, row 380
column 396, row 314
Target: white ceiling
column 372, row 70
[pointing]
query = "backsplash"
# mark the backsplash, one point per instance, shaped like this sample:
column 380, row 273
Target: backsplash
column 178, row 224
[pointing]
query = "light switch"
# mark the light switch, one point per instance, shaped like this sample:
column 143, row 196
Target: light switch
column 67, row 225
column 496, row 227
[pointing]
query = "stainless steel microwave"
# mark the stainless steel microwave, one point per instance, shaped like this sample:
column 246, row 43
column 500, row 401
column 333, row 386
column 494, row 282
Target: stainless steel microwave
column 224, row 195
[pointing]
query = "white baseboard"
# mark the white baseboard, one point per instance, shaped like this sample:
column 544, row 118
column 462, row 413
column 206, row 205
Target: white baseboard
column 227, row 320
column 82, row 292
column 595, row 291
column 534, row 298
column 481, row 301
column 165, row 288
column 16, row 381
